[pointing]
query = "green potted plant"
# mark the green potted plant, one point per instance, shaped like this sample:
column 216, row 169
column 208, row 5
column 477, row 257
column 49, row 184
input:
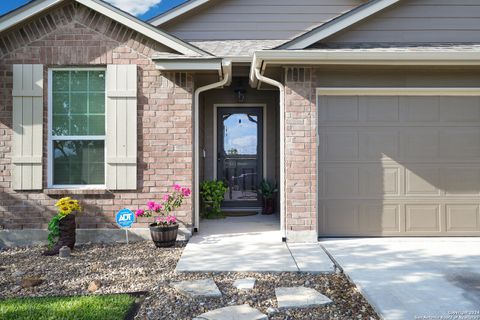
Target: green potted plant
column 212, row 194
column 268, row 190
column 165, row 228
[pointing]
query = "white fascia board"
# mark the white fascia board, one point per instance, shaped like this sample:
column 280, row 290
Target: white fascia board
column 175, row 12
column 26, row 12
column 261, row 59
column 143, row 28
column 189, row 65
column 337, row 25
column 391, row 91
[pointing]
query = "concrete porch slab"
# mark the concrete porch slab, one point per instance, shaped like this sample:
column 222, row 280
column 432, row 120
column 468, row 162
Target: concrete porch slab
column 249, row 244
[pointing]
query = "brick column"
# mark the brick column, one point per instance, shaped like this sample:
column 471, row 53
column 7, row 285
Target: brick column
column 300, row 156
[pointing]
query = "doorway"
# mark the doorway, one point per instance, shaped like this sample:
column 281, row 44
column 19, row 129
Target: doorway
column 240, row 154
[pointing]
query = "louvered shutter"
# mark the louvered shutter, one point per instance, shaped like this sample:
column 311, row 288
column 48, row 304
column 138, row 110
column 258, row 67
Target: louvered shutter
column 27, row 125
column 121, row 130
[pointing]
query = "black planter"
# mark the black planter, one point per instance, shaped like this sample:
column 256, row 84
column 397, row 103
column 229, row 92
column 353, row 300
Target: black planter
column 164, row 236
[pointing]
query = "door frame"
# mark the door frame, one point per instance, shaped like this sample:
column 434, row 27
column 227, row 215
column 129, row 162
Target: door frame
column 216, row 106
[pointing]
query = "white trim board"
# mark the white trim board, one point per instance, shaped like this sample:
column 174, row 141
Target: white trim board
column 215, row 133
column 417, row 91
column 50, row 137
column 23, row 13
column 338, row 24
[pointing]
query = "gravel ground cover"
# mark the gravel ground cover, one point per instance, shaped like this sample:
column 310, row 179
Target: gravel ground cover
column 141, row 267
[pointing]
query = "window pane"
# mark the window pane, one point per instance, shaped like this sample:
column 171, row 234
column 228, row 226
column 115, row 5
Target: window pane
column 97, row 80
column 78, row 162
column 97, row 102
column 79, row 80
column 78, row 103
column 61, row 80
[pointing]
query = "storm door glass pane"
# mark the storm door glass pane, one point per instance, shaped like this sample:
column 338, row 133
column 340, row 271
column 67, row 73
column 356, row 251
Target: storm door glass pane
column 240, row 158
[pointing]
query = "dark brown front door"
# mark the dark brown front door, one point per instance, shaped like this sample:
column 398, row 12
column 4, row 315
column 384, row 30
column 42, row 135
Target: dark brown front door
column 240, row 154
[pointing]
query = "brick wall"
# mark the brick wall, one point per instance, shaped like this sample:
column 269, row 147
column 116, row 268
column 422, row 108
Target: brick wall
column 73, row 35
column 300, row 155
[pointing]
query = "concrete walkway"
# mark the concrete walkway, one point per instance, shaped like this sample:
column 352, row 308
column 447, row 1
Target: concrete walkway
column 250, row 243
column 414, row 278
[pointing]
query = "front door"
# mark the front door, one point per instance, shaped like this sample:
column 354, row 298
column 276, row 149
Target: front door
column 240, row 154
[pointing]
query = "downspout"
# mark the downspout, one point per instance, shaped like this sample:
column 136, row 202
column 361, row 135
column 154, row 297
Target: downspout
column 227, row 76
column 281, row 89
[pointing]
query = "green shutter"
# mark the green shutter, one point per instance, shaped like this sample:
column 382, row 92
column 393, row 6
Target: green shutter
column 121, row 130
column 27, row 123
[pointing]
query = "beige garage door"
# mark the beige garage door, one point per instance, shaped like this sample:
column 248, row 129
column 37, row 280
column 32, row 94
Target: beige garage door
column 399, row 165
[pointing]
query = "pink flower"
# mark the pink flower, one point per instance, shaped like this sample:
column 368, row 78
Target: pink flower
column 177, row 187
column 166, row 197
column 160, row 220
column 150, row 205
column 157, row 207
column 139, row 213
column 186, row 192
column 171, row 219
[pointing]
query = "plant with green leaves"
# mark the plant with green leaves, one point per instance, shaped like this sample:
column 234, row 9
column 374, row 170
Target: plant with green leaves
column 268, row 189
column 65, row 207
column 212, row 193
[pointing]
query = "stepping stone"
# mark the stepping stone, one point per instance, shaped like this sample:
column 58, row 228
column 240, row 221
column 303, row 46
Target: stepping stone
column 205, row 288
column 241, row 312
column 244, row 284
column 300, row 297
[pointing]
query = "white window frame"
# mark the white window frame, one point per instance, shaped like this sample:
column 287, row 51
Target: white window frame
column 50, row 139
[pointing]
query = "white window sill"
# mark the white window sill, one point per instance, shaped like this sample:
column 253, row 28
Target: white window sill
column 79, row 191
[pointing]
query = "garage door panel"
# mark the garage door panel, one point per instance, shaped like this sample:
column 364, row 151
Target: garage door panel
column 420, row 109
column 340, row 217
column 460, row 109
column 423, row 218
column 341, row 145
column 378, row 180
column 406, row 166
column 379, row 218
column 460, row 143
column 375, row 145
column 419, row 143
column 341, row 182
column 422, row 180
column 461, row 180
column 338, row 109
column 380, row 108
column 463, row 217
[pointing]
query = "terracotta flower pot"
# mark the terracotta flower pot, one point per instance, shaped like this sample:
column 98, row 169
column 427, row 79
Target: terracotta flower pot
column 164, row 236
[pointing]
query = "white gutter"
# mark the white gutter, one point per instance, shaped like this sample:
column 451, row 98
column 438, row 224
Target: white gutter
column 227, row 77
column 281, row 89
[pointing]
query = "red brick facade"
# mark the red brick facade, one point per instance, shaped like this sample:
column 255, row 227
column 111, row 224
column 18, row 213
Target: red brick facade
column 300, row 154
column 73, row 35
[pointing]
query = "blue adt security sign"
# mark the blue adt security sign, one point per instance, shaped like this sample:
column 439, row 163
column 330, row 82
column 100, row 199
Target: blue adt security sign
column 125, row 218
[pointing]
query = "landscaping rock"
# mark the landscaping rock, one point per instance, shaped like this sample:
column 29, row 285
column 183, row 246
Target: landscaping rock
column 94, row 285
column 29, row 282
column 241, row 312
column 198, row 288
column 300, row 297
column 18, row 273
column 244, row 284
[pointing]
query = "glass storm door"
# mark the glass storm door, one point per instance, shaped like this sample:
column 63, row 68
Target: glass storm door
column 240, row 156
